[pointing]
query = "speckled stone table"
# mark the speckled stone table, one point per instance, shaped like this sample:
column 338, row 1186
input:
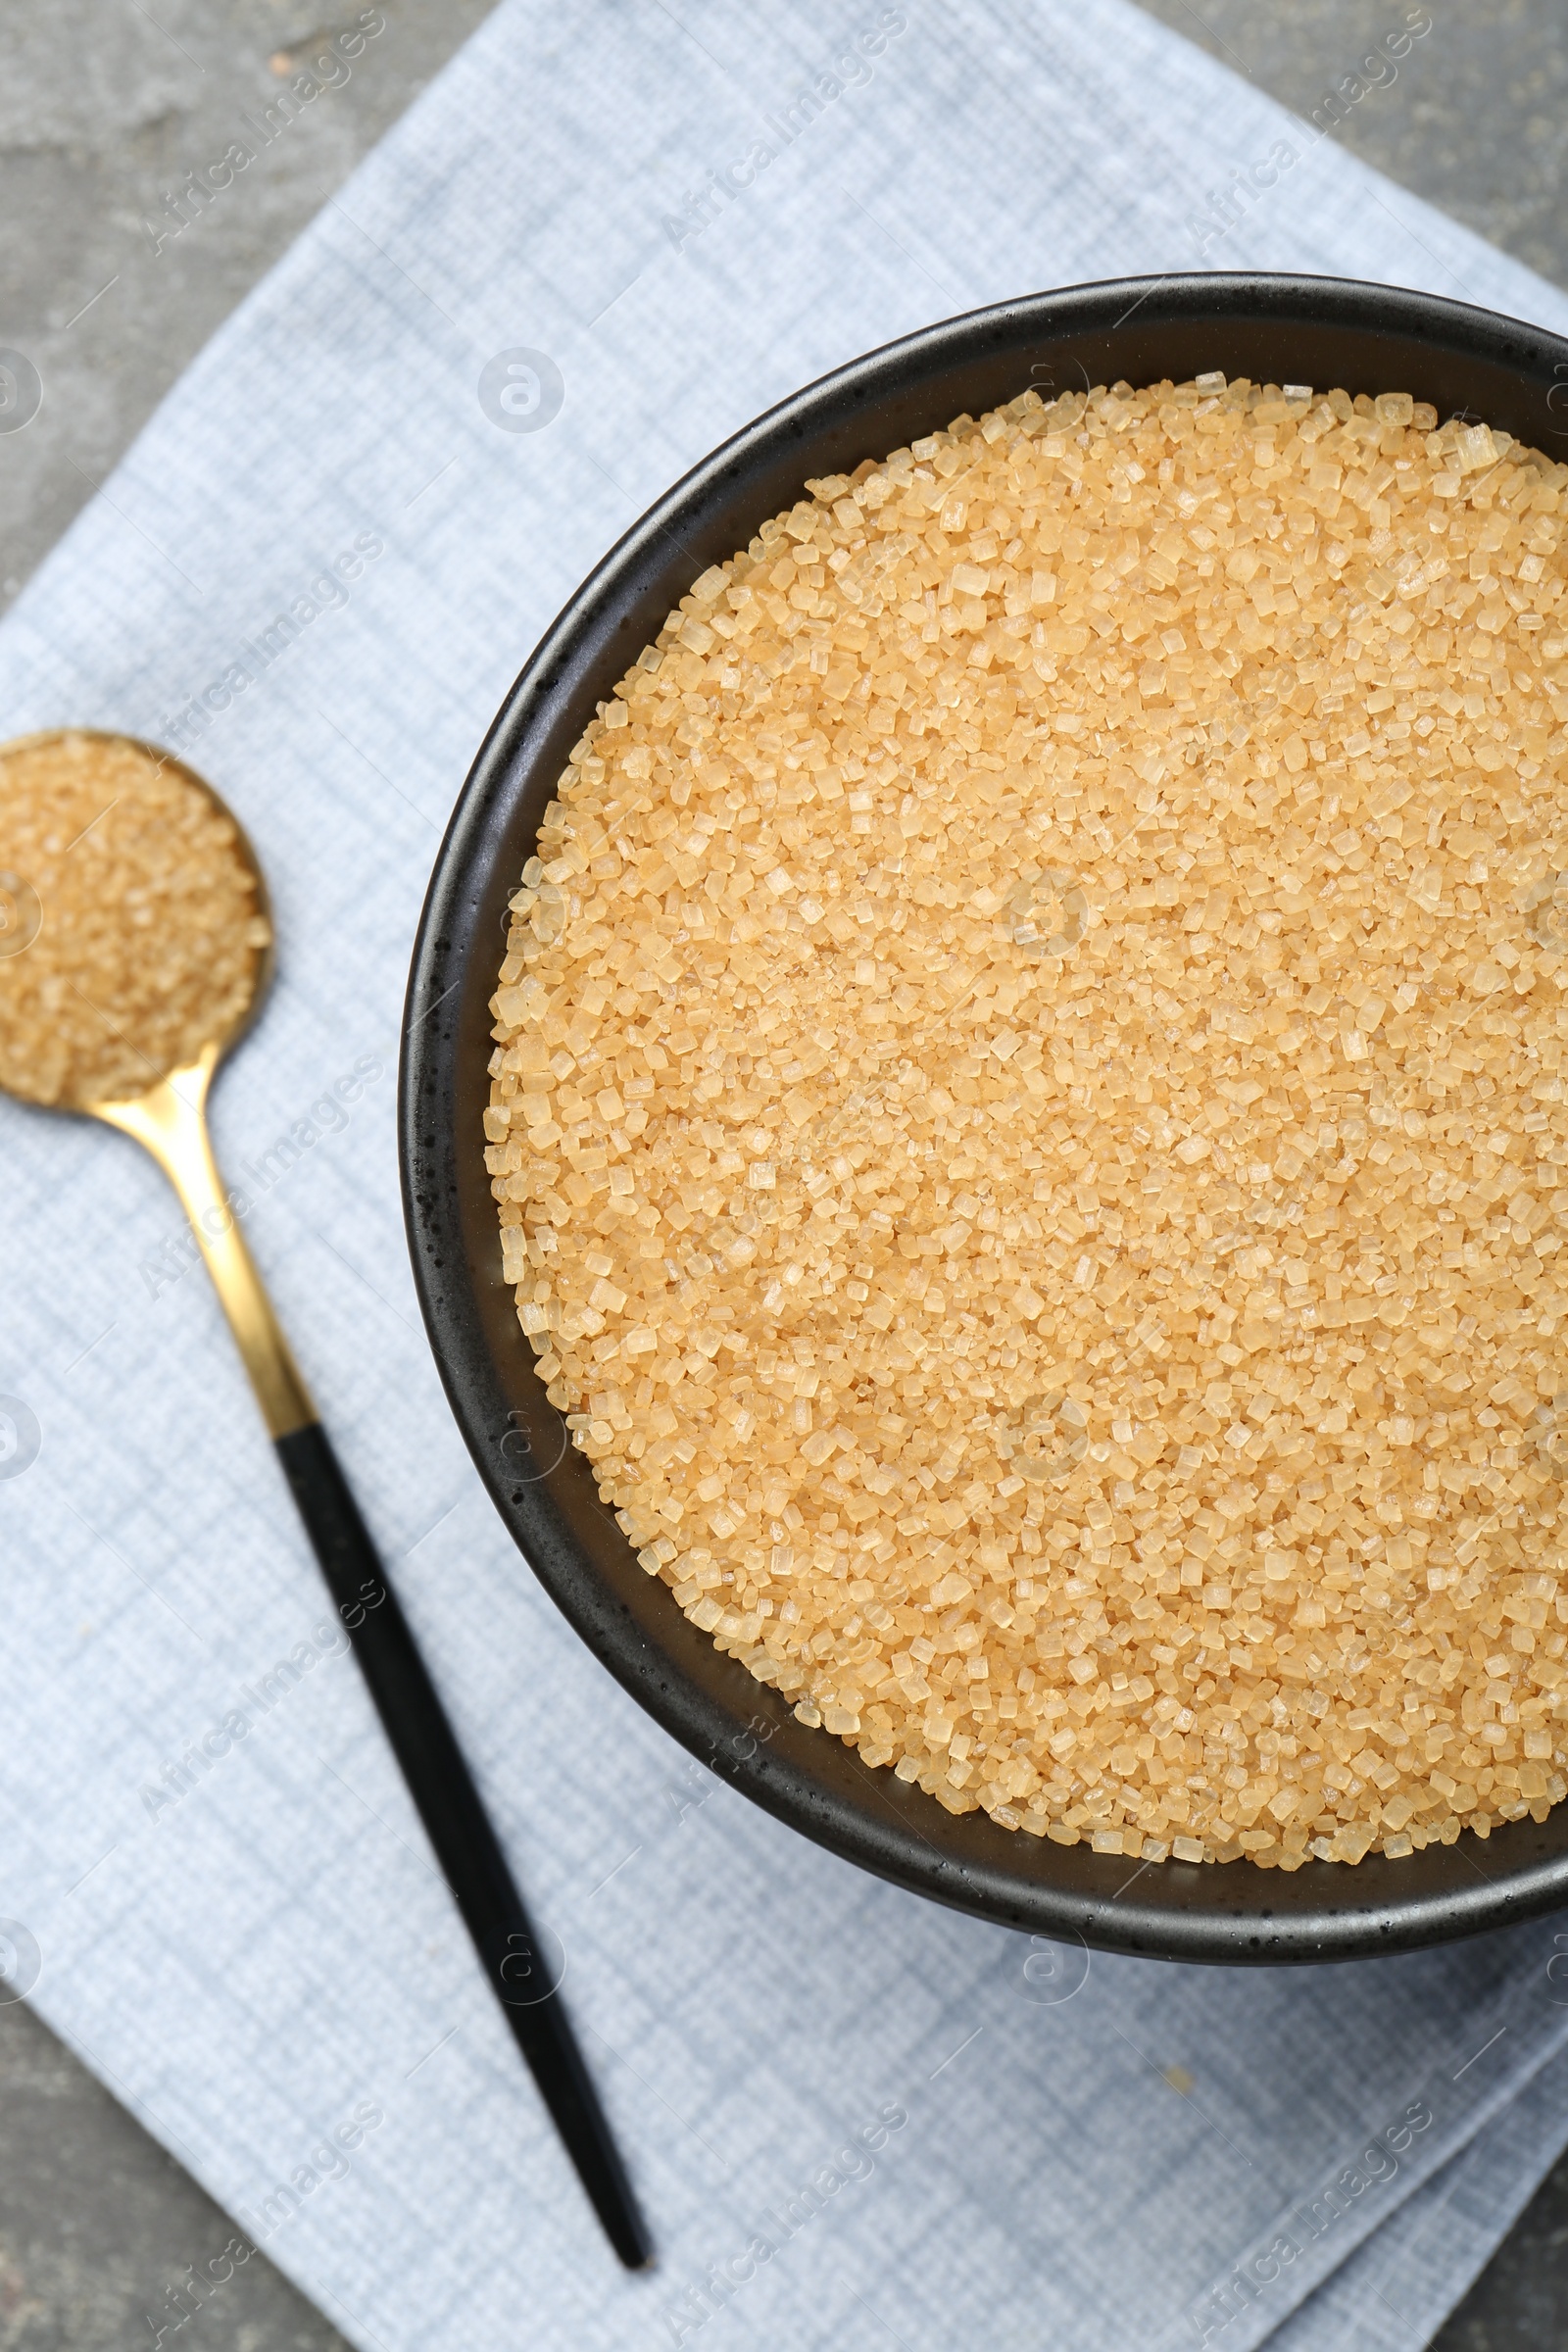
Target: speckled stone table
column 103, row 113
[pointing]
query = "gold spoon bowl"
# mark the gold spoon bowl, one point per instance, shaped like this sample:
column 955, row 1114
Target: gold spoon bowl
column 168, row 1115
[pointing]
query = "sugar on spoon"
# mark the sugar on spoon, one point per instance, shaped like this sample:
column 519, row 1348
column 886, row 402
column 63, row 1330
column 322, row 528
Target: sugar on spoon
column 135, row 945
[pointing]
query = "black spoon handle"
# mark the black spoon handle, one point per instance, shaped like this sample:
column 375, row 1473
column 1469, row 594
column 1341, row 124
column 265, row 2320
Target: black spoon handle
column 521, row 1972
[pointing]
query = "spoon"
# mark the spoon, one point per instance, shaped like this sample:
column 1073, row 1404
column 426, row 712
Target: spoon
column 168, row 1116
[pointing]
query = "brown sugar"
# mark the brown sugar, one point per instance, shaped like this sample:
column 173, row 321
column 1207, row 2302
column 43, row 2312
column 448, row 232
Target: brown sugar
column 1029, row 1117
column 130, row 929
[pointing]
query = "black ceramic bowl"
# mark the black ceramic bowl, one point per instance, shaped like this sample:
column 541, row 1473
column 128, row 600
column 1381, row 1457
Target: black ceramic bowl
column 1319, row 331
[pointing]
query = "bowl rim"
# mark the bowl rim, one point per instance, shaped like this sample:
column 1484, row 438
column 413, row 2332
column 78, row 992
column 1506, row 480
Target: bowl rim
column 743, row 1729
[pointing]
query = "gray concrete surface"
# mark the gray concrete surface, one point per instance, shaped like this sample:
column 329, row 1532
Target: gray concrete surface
column 1475, row 123
column 104, row 107
column 100, row 2230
